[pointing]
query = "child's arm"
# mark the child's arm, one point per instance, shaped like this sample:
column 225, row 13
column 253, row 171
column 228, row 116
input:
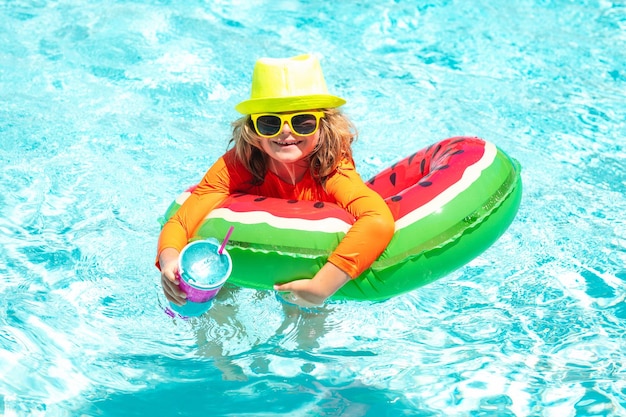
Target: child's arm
column 374, row 224
column 210, row 192
column 311, row 292
column 216, row 185
column 361, row 246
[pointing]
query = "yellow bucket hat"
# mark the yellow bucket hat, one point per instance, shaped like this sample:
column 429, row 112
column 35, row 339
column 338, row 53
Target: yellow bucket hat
column 288, row 84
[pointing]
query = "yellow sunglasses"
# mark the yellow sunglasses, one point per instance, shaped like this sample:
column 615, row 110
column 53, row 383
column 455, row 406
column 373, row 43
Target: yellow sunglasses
column 269, row 125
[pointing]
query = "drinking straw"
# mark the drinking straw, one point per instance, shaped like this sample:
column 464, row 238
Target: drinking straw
column 225, row 241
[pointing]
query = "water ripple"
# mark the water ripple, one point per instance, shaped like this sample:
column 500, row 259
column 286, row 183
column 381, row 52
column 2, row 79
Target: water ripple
column 110, row 111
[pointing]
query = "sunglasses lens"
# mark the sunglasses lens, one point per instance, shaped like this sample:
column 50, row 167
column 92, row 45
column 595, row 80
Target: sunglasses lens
column 268, row 125
column 304, row 124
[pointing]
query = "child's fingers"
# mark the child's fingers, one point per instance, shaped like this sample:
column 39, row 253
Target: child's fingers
column 173, row 292
column 282, row 287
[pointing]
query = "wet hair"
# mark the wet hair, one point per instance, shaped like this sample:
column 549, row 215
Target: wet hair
column 337, row 133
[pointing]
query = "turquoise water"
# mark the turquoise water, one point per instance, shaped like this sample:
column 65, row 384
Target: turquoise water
column 110, row 109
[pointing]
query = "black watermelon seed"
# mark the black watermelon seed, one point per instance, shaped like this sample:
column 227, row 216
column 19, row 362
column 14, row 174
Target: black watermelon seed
column 260, row 198
column 422, row 166
column 319, row 205
column 392, row 178
column 425, row 183
column 396, row 198
column 442, row 167
column 292, row 201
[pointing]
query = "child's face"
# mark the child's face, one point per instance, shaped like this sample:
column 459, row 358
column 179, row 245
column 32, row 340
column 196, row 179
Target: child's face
column 288, row 148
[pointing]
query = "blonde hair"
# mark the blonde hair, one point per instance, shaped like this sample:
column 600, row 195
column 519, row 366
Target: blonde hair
column 335, row 143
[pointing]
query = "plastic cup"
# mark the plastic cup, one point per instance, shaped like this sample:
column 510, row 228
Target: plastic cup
column 202, row 273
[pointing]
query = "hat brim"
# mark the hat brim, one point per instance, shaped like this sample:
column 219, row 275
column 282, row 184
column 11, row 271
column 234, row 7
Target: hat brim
column 284, row 104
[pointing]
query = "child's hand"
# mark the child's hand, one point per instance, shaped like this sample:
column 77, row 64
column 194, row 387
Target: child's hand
column 301, row 292
column 313, row 292
column 168, row 261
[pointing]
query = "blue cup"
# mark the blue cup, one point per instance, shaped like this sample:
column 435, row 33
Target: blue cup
column 202, row 273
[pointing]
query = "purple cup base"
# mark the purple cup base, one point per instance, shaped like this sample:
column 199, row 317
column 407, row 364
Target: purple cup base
column 198, row 295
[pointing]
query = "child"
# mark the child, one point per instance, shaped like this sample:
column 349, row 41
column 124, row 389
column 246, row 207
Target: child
column 292, row 143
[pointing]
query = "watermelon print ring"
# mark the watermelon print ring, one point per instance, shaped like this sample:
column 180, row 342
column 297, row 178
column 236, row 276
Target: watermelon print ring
column 451, row 201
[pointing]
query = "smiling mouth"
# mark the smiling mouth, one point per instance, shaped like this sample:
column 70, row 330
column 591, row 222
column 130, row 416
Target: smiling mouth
column 286, row 143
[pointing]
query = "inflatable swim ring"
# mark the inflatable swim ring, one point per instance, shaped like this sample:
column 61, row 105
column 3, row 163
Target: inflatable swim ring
column 451, row 201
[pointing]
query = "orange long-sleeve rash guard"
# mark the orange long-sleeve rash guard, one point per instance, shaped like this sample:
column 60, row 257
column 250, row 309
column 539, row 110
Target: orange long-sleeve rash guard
column 365, row 241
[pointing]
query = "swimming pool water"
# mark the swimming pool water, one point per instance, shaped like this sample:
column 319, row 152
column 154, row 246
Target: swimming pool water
column 109, row 109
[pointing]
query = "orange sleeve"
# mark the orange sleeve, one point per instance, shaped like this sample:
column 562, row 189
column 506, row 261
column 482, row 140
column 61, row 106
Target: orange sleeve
column 214, row 188
column 374, row 226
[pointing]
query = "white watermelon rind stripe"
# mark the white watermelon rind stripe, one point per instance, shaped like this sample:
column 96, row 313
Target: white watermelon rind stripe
column 328, row 225
column 470, row 176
